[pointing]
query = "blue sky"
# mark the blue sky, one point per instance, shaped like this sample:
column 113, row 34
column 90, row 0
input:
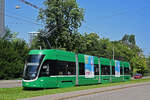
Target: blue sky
column 109, row 18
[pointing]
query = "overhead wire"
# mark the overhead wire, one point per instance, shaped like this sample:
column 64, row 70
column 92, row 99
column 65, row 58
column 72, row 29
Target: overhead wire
column 29, row 4
column 93, row 30
column 21, row 19
column 39, row 2
column 20, row 14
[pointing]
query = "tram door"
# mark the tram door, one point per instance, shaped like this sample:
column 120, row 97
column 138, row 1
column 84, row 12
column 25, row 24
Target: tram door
column 105, row 74
column 66, row 73
column 47, row 74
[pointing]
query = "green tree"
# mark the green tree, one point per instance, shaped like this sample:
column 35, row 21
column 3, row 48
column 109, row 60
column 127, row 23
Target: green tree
column 61, row 18
column 148, row 66
column 148, row 62
column 21, row 47
column 13, row 53
column 132, row 39
column 91, row 42
column 9, row 35
column 129, row 40
column 10, row 64
column 138, row 63
column 105, row 48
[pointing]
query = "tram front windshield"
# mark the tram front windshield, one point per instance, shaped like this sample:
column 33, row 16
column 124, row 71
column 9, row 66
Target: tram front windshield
column 32, row 66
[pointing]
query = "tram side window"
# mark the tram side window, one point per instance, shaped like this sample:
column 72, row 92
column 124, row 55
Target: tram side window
column 45, row 69
column 113, row 70
column 62, row 68
column 121, row 70
column 81, row 69
column 126, row 71
column 53, row 67
column 105, row 70
column 66, row 68
column 96, row 69
column 71, row 68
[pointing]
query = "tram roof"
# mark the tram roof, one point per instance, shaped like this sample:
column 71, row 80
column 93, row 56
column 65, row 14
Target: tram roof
column 70, row 56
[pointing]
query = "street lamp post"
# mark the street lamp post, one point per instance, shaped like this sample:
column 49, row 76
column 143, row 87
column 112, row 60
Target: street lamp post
column 113, row 52
column 2, row 18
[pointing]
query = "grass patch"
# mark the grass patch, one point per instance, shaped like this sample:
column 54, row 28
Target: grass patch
column 17, row 93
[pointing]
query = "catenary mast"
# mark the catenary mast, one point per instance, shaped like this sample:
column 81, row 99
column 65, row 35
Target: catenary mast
column 2, row 18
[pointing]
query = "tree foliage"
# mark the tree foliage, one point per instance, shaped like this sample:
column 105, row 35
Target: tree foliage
column 138, row 63
column 61, row 18
column 13, row 53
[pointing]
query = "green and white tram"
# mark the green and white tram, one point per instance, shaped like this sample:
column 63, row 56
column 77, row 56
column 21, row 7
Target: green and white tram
column 56, row 68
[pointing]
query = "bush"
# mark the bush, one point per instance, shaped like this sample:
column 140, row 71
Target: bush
column 12, row 58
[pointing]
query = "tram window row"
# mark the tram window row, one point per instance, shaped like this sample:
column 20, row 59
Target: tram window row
column 54, row 68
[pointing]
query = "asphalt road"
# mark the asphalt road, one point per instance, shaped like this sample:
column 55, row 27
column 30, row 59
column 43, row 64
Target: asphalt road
column 134, row 93
column 10, row 83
